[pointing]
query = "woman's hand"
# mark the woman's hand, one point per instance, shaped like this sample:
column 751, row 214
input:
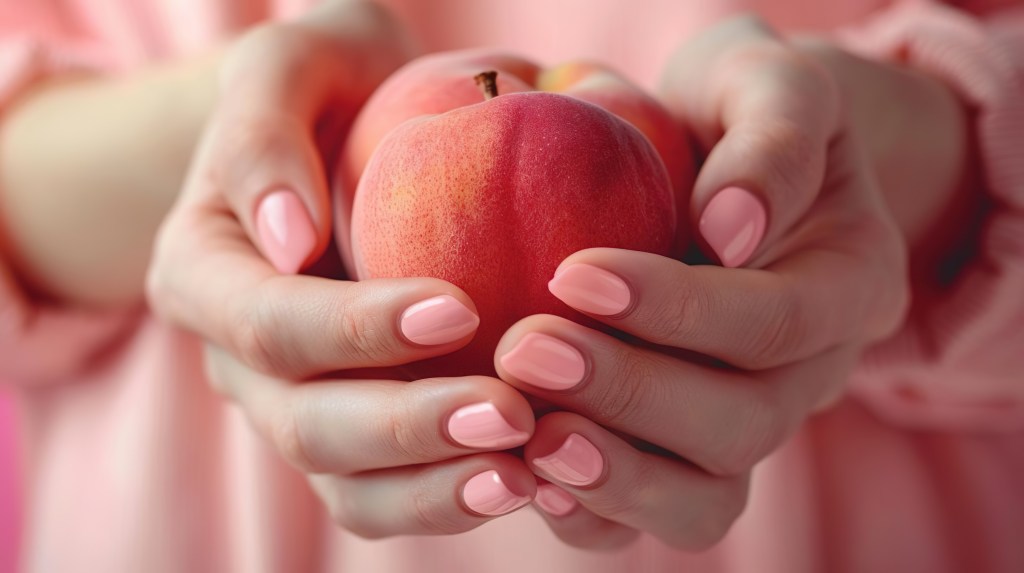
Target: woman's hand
column 660, row 436
column 386, row 457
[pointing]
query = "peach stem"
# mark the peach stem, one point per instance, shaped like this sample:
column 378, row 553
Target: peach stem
column 488, row 82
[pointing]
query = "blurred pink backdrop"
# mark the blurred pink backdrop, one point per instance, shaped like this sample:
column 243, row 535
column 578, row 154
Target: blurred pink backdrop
column 8, row 486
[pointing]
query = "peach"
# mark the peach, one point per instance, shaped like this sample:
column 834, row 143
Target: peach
column 491, row 192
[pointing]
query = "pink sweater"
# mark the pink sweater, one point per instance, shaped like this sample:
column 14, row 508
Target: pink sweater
column 132, row 464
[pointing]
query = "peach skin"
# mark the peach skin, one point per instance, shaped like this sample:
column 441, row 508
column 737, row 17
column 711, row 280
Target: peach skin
column 491, row 191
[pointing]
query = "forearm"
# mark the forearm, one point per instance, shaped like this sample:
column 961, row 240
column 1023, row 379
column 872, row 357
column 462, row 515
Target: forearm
column 88, row 168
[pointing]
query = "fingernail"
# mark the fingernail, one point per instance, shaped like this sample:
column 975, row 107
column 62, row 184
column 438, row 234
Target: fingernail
column 590, row 289
column 482, row 426
column 285, row 230
column 577, row 462
column 545, row 362
column 555, row 500
column 733, row 224
column 438, row 320
column 486, row 494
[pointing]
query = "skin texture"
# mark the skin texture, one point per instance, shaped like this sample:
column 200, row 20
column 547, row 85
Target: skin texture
column 505, row 189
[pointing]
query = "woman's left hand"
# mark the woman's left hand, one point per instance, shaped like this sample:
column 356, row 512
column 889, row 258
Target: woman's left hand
column 650, row 438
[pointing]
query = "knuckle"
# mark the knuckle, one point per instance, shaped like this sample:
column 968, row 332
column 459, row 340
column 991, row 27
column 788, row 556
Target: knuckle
column 759, row 431
column 254, row 139
column 346, row 513
column 364, row 339
column 293, row 443
column 630, row 498
column 428, row 517
column 338, row 505
column 784, row 153
column 623, row 398
column 402, row 433
column 675, row 320
column 252, row 343
column 713, row 523
column 251, row 139
column 255, row 336
column 879, row 261
column 785, row 326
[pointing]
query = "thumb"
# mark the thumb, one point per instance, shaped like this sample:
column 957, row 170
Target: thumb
column 288, row 91
column 766, row 113
column 276, row 187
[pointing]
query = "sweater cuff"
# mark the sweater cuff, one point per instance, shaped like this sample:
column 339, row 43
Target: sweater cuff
column 958, row 362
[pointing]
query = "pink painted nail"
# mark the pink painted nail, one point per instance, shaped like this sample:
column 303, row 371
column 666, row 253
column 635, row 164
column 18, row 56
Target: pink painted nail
column 577, row 462
column 285, row 230
column 486, row 494
column 545, row 362
column 590, row 289
column 438, row 320
column 555, row 500
column 733, row 224
column 482, row 426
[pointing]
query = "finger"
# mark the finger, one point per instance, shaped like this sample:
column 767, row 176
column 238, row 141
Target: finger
column 349, row 426
column 752, row 319
column 766, row 114
column 258, row 159
column 722, row 420
column 437, row 499
column 260, row 153
column 263, row 169
column 207, row 277
column 337, row 53
column 576, row 525
column 677, row 503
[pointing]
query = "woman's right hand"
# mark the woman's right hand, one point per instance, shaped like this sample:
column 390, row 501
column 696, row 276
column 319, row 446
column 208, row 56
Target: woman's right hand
column 386, row 457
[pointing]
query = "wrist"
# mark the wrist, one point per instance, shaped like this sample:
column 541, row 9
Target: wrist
column 916, row 134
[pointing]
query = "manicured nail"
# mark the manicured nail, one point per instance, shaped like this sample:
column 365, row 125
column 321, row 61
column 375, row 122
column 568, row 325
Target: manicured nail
column 438, row 320
column 733, row 224
column 545, row 362
column 577, row 462
column 486, row 494
column 285, row 230
column 590, row 289
column 554, row 500
column 482, row 426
